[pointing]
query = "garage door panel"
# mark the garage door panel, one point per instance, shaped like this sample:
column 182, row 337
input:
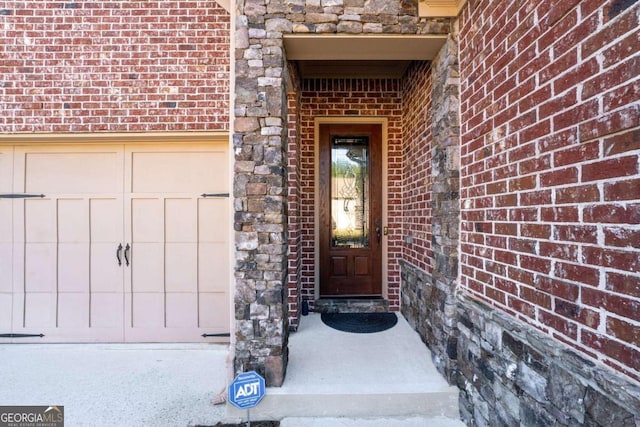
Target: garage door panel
column 40, row 220
column 181, row 220
column 73, row 267
column 147, row 310
column 6, row 236
column 147, row 267
column 58, row 172
column 196, row 171
column 17, row 314
column 6, row 302
column 6, row 225
column 6, row 169
column 107, row 310
column 214, row 312
column 73, row 310
column 147, row 220
column 40, row 267
column 181, row 267
column 73, row 220
column 213, row 220
column 40, row 310
column 182, row 310
column 106, row 220
column 6, row 267
column 106, row 274
column 213, row 267
column 98, row 197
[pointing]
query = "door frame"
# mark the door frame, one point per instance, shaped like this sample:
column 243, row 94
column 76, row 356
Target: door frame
column 383, row 122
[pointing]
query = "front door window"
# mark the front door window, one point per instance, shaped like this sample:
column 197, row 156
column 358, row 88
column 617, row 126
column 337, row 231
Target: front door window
column 350, row 192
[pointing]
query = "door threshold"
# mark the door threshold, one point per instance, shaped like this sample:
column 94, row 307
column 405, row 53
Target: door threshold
column 375, row 304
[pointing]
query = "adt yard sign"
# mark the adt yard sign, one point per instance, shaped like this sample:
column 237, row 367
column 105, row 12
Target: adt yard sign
column 246, row 390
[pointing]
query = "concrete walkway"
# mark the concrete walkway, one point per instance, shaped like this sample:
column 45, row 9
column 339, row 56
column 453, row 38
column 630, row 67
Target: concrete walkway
column 117, row 384
column 334, row 379
column 334, row 375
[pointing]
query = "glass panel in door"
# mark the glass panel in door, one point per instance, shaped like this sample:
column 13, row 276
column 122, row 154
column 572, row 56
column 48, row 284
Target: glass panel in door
column 350, row 192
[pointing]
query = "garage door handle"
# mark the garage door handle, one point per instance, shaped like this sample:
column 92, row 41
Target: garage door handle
column 119, row 254
column 126, row 254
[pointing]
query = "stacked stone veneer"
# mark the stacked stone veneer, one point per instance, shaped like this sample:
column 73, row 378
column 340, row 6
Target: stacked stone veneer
column 119, row 66
column 430, row 204
column 511, row 374
column 260, row 196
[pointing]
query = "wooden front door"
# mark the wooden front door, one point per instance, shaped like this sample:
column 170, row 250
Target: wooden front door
column 350, row 210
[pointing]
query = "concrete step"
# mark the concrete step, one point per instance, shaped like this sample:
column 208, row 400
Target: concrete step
column 415, row 421
column 351, row 305
column 279, row 405
column 339, row 374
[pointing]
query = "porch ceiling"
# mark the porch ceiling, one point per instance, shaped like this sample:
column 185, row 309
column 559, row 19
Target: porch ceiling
column 368, row 56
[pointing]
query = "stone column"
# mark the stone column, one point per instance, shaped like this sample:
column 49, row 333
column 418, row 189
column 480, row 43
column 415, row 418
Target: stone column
column 259, row 192
column 445, row 200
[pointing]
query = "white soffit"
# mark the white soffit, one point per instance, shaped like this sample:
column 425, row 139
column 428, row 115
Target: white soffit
column 439, row 8
column 225, row 4
column 331, row 47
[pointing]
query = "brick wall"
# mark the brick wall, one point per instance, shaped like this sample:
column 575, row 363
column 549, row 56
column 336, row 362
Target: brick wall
column 416, row 167
column 550, row 179
column 357, row 97
column 91, row 66
column 294, row 259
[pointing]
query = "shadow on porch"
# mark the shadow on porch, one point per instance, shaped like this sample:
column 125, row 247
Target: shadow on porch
column 339, row 374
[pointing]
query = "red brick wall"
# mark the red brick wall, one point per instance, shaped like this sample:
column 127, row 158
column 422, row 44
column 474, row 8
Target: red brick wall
column 89, row 66
column 294, row 260
column 357, row 97
column 416, row 165
column 550, row 188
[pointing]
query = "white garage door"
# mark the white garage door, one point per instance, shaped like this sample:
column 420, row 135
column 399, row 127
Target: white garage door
column 114, row 243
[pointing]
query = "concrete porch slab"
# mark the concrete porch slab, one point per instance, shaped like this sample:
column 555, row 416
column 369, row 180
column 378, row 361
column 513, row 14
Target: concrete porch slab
column 339, row 374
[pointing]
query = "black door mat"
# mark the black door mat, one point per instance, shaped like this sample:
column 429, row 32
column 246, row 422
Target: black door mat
column 360, row 323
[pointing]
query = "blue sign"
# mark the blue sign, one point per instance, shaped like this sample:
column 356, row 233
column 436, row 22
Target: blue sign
column 246, row 390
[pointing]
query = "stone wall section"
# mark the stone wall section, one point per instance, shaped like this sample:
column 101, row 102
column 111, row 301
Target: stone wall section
column 260, row 195
column 445, row 164
column 512, row 374
column 357, row 17
column 431, row 205
column 125, row 66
